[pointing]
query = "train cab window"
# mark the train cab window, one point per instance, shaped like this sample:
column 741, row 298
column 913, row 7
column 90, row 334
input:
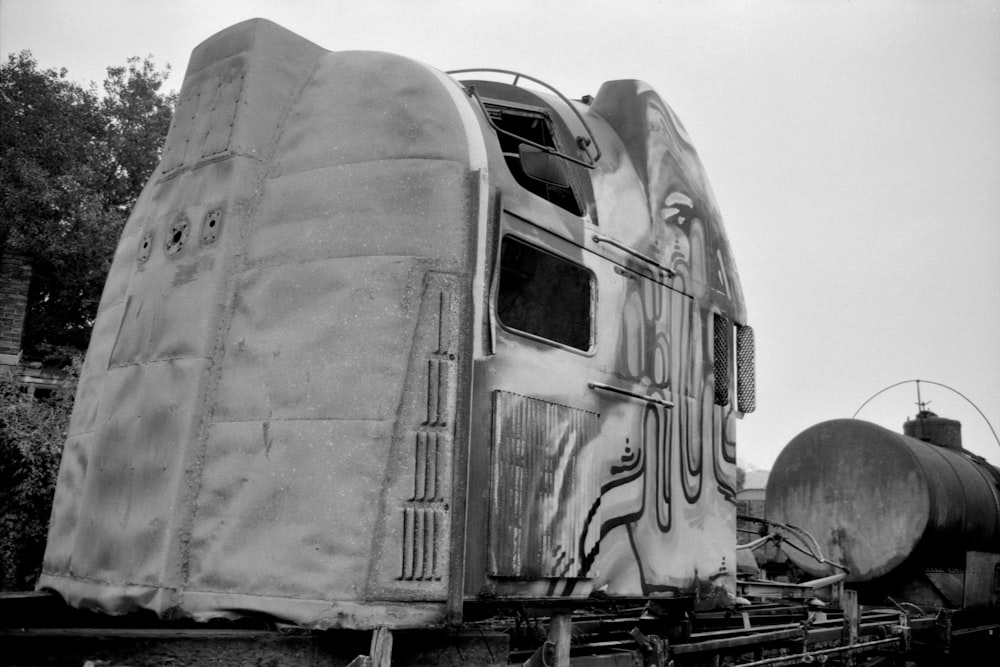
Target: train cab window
column 536, row 126
column 545, row 296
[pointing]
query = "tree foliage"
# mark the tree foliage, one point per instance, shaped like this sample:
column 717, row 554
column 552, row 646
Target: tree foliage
column 31, row 442
column 72, row 164
column 138, row 118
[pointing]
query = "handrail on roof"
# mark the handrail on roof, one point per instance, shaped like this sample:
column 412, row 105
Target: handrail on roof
column 584, row 143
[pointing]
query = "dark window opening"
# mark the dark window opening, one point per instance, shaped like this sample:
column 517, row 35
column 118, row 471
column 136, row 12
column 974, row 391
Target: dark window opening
column 537, row 127
column 545, row 296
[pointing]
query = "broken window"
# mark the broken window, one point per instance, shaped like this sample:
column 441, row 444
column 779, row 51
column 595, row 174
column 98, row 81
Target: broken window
column 537, row 127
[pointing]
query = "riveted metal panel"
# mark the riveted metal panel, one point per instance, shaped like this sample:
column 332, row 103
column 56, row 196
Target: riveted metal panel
column 543, row 482
column 275, row 394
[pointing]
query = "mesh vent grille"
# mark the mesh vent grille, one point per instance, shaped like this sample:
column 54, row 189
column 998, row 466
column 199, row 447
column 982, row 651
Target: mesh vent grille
column 721, row 363
column 745, row 388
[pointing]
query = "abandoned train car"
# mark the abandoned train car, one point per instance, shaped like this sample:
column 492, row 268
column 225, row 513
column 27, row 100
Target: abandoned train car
column 379, row 340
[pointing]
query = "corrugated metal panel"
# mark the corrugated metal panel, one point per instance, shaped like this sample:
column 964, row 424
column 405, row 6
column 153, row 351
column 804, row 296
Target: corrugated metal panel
column 543, row 486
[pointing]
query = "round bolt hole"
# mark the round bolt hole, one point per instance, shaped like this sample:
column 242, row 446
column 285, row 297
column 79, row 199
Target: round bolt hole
column 178, row 234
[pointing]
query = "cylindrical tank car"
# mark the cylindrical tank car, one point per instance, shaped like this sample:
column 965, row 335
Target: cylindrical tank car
column 900, row 513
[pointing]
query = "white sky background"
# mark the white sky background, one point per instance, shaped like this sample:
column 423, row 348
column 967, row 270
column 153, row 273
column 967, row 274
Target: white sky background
column 854, row 149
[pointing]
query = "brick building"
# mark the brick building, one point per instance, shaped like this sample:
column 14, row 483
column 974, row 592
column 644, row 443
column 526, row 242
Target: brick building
column 15, row 280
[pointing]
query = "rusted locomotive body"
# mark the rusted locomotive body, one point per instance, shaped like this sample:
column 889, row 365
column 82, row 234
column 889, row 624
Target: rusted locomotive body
column 377, row 341
column 915, row 518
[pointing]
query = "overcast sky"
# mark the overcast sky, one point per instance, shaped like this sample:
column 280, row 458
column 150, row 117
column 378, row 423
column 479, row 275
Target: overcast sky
column 854, row 149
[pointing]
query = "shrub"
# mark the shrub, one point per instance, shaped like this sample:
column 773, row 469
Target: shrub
column 32, row 432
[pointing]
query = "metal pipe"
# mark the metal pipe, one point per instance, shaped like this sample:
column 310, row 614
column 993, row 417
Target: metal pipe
column 631, row 394
column 600, row 238
column 825, row 581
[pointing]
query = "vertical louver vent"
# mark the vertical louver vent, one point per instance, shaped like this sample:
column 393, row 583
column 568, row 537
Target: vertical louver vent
column 425, row 515
column 423, row 542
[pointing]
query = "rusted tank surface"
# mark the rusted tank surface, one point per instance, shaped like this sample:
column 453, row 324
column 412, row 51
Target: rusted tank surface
column 876, row 500
column 941, row 431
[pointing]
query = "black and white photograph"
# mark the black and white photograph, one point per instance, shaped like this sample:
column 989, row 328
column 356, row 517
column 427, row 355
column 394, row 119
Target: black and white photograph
column 545, row 333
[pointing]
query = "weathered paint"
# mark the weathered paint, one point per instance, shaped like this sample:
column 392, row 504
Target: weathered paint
column 300, row 400
column 660, row 513
column 256, row 402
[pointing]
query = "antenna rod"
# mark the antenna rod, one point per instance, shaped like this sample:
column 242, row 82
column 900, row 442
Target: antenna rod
column 936, row 384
